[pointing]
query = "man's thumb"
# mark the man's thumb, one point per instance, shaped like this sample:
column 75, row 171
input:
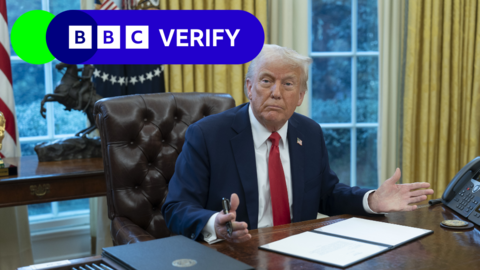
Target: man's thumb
column 396, row 176
column 234, row 202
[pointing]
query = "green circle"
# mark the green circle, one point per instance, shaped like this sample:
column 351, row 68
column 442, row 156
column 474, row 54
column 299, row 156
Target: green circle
column 29, row 37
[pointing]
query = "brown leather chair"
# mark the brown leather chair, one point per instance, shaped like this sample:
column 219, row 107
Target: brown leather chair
column 142, row 136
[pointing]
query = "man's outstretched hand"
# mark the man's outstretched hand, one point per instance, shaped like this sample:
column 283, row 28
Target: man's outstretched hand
column 391, row 197
column 240, row 231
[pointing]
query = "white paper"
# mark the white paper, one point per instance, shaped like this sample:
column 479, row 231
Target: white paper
column 374, row 231
column 324, row 248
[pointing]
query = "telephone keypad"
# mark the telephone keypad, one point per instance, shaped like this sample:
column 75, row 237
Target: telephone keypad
column 475, row 216
column 466, row 201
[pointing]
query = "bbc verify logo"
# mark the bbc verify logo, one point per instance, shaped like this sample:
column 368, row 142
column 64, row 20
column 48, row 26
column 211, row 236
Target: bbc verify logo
column 108, row 37
column 145, row 37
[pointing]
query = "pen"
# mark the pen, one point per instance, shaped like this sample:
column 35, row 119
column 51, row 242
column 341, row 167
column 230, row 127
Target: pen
column 226, row 209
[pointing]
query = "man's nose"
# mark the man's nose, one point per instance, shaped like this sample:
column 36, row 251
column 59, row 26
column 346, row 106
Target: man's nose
column 275, row 91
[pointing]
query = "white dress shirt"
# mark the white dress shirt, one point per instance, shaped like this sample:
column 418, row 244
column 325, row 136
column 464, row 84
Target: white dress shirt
column 262, row 151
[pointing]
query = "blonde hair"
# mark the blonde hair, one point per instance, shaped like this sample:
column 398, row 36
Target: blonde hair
column 275, row 52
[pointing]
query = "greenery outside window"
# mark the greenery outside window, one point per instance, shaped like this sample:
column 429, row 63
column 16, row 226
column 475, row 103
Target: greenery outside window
column 343, row 44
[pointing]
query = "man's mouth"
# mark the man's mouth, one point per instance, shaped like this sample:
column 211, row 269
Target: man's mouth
column 273, row 107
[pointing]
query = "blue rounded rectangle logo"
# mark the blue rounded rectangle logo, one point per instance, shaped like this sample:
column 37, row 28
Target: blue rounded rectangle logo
column 155, row 37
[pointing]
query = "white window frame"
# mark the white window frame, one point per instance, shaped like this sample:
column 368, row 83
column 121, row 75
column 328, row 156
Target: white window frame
column 353, row 55
column 54, row 219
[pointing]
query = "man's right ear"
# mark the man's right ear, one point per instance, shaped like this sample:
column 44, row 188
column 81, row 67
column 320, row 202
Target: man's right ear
column 249, row 89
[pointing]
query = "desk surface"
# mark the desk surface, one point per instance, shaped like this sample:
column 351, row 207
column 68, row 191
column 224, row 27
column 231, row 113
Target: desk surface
column 65, row 180
column 29, row 168
column 444, row 249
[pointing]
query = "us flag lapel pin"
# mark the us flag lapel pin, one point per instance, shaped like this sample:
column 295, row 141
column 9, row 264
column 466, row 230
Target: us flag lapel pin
column 299, row 141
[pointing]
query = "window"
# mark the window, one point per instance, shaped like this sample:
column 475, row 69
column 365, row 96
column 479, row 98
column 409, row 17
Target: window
column 344, row 85
column 30, row 84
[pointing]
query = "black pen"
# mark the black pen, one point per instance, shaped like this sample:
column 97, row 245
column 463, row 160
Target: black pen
column 226, row 210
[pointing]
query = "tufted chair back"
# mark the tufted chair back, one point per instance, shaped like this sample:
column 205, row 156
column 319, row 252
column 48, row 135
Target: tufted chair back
column 142, row 136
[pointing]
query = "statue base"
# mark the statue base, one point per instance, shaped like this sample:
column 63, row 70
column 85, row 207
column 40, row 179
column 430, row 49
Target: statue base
column 69, row 148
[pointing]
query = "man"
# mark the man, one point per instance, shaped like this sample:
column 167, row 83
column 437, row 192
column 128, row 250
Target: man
column 270, row 161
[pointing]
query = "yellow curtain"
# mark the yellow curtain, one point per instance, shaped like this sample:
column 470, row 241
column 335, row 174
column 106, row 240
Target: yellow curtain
column 287, row 27
column 212, row 78
column 391, row 37
column 442, row 90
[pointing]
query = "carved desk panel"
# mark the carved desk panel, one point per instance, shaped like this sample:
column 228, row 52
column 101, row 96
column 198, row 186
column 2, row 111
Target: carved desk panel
column 39, row 182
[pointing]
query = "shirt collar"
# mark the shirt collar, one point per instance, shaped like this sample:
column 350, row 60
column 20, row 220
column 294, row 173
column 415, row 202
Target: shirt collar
column 261, row 133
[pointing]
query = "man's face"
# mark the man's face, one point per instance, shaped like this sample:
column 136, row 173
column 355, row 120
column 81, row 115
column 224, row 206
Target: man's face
column 275, row 92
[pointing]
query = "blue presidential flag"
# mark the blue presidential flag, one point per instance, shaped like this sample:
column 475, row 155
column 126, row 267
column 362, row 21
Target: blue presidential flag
column 119, row 80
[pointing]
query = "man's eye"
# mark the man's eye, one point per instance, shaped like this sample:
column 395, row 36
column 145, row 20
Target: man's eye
column 265, row 81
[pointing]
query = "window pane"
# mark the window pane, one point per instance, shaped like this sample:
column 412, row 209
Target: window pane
column 331, row 94
column 28, row 148
column 15, row 9
column 39, row 209
column 367, row 25
column 367, row 158
column 331, row 25
column 59, row 6
column 367, row 89
column 66, row 122
column 29, row 90
column 73, row 205
column 338, row 146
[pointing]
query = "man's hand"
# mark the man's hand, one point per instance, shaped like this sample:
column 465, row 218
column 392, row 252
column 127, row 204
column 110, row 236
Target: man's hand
column 391, row 197
column 240, row 231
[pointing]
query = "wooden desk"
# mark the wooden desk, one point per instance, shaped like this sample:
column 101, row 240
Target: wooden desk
column 444, row 249
column 65, row 180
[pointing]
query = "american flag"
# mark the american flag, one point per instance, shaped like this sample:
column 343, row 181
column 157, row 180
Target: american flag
column 11, row 144
column 106, row 5
column 299, row 141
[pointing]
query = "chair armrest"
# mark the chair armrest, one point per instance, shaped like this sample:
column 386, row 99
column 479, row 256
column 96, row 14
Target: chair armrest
column 126, row 232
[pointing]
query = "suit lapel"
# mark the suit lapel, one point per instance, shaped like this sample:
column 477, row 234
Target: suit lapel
column 244, row 153
column 297, row 155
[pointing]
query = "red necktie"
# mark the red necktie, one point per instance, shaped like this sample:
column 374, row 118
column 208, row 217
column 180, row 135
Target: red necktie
column 278, row 187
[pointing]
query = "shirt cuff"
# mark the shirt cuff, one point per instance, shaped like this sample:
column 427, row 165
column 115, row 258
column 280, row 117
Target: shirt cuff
column 365, row 203
column 208, row 231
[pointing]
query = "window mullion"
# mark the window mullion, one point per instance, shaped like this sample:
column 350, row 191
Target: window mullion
column 55, row 209
column 353, row 138
column 49, row 105
column 50, row 108
column 46, row 5
column 49, row 87
column 310, row 69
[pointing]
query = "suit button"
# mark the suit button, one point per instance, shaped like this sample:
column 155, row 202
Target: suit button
column 192, row 236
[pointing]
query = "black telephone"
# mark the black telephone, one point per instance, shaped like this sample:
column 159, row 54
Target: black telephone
column 463, row 193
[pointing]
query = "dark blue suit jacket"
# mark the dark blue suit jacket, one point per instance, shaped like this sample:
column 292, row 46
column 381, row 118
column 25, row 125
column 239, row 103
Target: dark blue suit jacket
column 218, row 159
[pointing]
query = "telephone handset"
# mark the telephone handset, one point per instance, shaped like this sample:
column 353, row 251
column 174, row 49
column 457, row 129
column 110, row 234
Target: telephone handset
column 463, row 193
